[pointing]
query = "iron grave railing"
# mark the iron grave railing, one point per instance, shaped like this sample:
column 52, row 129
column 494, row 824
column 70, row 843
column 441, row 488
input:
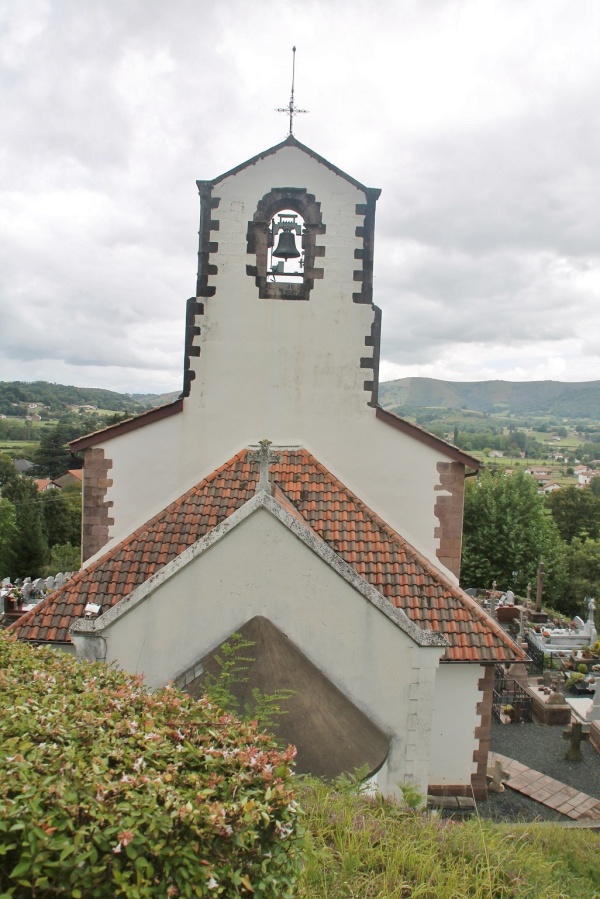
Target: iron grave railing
column 510, row 702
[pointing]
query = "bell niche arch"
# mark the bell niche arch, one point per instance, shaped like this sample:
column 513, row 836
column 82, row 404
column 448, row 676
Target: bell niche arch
column 279, row 216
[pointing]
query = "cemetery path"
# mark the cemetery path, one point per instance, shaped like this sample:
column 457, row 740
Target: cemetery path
column 556, row 795
column 542, row 749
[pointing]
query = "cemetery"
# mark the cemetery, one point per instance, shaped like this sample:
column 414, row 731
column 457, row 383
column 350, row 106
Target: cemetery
column 24, row 594
column 546, row 714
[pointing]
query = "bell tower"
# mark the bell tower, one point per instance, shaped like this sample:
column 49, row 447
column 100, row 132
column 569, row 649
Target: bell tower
column 282, row 327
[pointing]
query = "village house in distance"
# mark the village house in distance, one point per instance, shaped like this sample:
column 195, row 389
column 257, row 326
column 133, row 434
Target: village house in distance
column 275, row 497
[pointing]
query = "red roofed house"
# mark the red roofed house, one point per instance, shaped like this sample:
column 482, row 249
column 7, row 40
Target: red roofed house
column 336, row 547
column 72, row 476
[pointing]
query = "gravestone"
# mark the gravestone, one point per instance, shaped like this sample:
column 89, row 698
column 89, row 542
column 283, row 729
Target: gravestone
column 518, row 672
column 556, row 698
column 594, row 710
column 496, row 775
column 576, row 735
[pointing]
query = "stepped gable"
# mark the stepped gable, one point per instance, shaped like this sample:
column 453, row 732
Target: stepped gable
column 362, row 539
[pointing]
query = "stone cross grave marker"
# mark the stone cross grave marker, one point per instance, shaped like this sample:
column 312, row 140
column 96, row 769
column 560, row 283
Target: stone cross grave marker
column 496, row 775
column 576, row 735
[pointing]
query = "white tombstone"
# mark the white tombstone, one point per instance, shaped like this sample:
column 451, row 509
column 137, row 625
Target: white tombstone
column 6, row 582
column 593, row 713
column 38, row 584
column 49, row 583
column 591, row 625
column 59, row 580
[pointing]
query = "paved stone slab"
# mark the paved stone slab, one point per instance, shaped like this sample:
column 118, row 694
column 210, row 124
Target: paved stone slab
column 552, row 793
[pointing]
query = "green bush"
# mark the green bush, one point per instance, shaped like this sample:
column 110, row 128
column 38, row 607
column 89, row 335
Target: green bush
column 109, row 790
column 573, row 679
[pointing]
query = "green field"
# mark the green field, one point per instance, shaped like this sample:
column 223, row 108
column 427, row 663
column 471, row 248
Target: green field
column 13, row 446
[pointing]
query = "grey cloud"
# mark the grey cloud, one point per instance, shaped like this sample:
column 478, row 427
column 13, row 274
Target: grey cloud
column 487, row 228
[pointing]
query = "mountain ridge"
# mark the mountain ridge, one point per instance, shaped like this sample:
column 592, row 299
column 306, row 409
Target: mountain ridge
column 575, row 399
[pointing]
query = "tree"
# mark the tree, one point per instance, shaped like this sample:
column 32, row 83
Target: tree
column 576, row 512
column 583, row 564
column 8, row 472
column 507, row 529
column 62, row 517
column 63, row 557
column 7, row 533
column 595, row 485
column 52, row 456
column 27, row 551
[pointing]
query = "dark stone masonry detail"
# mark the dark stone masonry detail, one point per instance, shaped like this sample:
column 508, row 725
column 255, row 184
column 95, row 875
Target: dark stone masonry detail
column 96, row 508
column 449, row 511
column 192, row 330
column 305, row 204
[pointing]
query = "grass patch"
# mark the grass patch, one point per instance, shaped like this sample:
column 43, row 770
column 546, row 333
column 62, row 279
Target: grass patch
column 10, row 447
column 359, row 846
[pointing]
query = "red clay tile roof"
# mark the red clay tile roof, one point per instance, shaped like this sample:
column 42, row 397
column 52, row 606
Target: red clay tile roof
column 380, row 555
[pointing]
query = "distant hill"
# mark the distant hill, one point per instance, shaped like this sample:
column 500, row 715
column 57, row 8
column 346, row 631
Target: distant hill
column 58, row 397
column 552, row 398
column 559, row 398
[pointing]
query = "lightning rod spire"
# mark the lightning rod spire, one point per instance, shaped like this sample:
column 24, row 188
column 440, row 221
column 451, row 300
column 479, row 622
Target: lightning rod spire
column 291, row 109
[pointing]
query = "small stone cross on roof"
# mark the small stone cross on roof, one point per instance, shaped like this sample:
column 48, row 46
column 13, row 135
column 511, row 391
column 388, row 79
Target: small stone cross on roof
column 265, row 458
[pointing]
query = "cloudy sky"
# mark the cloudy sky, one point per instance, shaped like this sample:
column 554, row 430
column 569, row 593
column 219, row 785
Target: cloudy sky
column 479, row 120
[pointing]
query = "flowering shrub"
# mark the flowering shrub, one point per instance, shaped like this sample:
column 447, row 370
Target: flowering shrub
column 109, row 790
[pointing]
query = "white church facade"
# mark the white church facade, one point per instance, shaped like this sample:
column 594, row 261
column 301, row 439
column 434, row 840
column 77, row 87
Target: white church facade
column 336, row 540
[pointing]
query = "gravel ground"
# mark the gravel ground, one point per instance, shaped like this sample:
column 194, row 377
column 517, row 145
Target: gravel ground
column 542, row 748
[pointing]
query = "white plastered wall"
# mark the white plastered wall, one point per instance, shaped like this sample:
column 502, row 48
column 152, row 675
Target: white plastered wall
column 454, row 721
column 261, row 568
column 285, row 370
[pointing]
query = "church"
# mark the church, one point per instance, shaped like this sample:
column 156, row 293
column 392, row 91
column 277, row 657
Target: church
column 276, row 498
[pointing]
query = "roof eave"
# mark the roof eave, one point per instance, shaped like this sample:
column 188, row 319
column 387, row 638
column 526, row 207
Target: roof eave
column 426, row 437
column 124, row 427
column 291, row 141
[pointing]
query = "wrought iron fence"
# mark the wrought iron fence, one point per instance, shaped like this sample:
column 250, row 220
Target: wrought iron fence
column 510, row 698
column 543, row 660
column 538, row 658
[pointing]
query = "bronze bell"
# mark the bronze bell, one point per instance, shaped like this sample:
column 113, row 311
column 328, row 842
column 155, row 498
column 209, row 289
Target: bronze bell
column 286, row 246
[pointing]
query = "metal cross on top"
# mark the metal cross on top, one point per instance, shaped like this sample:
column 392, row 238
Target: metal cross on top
column 265, row 458
column 291, row 109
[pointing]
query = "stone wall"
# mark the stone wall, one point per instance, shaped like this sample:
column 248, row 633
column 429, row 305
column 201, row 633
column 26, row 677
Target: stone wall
column 96, row 508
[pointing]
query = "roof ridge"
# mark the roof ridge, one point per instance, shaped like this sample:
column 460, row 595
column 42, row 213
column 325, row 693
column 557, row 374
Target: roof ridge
column 291, row 141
